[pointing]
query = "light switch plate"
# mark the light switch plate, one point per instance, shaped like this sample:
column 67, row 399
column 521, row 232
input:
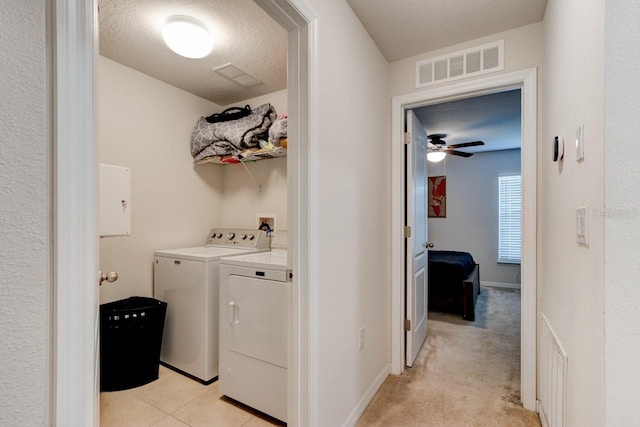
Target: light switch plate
column 580, row 143
column 582, row 226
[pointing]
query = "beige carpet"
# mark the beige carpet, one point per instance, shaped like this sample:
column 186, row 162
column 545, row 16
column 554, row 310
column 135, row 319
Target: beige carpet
column 467, row 373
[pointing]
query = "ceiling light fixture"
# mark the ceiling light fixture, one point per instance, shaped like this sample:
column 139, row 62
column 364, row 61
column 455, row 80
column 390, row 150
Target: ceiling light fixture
column 187, row 37
column 436, row 156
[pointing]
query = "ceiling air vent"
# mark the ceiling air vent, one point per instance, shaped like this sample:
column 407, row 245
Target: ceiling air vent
column 474, row 61
column 234, row 73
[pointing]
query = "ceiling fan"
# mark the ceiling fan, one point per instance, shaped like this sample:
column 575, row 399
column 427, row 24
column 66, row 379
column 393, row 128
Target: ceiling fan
column 438, row 149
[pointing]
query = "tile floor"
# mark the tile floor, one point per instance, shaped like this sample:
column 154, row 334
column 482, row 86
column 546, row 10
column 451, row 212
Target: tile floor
column 174, row 400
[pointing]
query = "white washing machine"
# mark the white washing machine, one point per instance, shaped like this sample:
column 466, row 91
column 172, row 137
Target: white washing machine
column 187, row 279
column 254, row 319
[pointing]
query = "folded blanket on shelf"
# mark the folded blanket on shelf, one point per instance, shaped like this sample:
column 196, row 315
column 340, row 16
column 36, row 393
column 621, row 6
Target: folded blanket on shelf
column 278, row 130
column 230, row 137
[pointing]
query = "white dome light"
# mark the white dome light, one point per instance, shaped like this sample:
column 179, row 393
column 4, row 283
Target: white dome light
column 187, row 37
column 436, row 156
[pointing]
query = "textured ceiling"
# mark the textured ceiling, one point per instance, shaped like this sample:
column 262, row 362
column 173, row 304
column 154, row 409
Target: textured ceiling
column 494, row 119
column 404, row 28
column 131, row 34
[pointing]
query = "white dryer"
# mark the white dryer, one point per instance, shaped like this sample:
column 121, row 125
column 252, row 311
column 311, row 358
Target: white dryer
column 254, row 318
column 187, row 279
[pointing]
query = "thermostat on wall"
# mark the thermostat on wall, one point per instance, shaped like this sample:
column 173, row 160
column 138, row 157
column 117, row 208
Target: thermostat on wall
column 558, row 148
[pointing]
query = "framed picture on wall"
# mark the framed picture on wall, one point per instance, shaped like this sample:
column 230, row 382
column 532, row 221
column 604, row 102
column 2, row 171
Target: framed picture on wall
column 437, row 202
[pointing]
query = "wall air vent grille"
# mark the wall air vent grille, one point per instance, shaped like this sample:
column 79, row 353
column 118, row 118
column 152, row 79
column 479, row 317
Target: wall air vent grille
column 475, row 61
column 553, row 377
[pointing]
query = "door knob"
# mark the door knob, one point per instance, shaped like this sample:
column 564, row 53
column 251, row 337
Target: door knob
column 428, row 245
column 110, row 277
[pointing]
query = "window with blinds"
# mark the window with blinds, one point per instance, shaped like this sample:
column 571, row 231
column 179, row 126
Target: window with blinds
column 509, row 218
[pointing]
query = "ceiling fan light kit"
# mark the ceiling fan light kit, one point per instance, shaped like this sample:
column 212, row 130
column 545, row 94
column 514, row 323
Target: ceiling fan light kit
column 436, row 156
column 187, row 37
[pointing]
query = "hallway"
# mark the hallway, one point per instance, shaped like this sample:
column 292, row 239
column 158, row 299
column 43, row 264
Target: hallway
column 467, row 373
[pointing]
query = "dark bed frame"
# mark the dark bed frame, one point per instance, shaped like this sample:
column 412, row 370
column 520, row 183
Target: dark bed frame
column 471, row 289
column 457, row 299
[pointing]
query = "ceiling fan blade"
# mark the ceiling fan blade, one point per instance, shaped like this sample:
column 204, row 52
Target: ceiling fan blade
column 457, row 153
column 466, row 144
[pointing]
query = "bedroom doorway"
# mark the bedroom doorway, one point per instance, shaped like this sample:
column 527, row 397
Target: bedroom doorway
column 475, row 190
column 526, row 82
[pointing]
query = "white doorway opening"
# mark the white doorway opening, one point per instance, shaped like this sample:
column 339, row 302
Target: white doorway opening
column 525, row 80
column 75, row 306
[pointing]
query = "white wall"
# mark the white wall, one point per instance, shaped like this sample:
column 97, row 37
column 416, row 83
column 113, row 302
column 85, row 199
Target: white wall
column 471, row 224
column 522, row 50
column 570, row 277
column 25, row 215
column 353, row 216
column 242, row 198
column 622, row 203
column 146, row 124
column 277, row 99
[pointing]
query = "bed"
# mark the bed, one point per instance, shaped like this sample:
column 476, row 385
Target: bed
column 454, row 283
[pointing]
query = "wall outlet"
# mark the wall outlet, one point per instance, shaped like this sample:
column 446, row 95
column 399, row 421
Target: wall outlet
column 361, row 338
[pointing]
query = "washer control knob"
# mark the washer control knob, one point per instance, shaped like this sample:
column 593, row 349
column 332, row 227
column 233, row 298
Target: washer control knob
column 243, row 237
column 230, row 236
column 251, row 237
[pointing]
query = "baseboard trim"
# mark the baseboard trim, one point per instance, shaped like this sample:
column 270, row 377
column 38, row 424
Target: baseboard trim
column 357, row 412
column 499, row 285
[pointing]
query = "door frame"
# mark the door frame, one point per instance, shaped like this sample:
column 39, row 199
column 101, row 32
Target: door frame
column 526, row 80
column 74, row 331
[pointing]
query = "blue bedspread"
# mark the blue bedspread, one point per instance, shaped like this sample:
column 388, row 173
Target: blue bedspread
column 447, row 266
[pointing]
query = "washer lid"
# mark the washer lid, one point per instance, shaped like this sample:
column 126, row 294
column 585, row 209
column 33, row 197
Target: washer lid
column 203, row 253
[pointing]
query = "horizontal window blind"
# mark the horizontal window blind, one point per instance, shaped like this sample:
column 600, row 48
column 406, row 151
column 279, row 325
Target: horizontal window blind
column 510, row 218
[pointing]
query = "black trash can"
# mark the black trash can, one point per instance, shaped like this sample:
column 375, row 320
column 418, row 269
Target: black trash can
column 130, row 341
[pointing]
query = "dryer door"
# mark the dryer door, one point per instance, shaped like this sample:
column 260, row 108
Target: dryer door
column 256, row 319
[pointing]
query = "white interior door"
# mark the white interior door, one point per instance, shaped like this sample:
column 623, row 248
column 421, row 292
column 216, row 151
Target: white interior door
column 416, row 243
